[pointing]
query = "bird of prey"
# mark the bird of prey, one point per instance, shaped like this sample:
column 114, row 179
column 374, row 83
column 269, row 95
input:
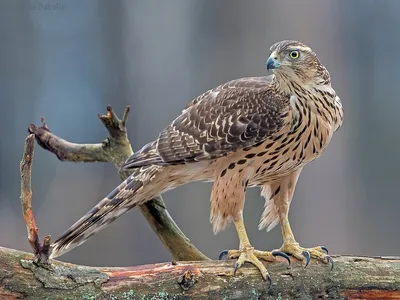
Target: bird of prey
column 255, row 131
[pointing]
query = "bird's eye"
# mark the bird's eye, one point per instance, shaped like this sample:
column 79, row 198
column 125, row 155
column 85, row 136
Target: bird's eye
column 294, row 54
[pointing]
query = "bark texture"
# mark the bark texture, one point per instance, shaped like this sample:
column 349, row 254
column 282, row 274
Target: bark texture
column 352, row 278
column 41, row 250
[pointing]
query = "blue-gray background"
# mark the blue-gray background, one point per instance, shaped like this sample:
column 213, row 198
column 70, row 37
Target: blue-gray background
column 67, row 61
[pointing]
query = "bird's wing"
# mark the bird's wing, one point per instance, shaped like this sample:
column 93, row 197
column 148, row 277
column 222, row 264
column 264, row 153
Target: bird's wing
column 235, row 115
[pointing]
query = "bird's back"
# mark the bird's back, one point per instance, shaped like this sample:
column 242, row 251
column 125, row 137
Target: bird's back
column 234, row 115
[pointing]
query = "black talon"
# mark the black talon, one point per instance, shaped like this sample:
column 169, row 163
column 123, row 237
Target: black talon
column 281, row 254
column 324, row 249
column 269, row 281
column 329, row 259
column 236, row 267
column 222, row 254
column 307, row 256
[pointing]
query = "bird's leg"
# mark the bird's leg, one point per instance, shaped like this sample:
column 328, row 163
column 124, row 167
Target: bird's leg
column 269, row 256
column 246, row 252
column 290, row 246
column 278, row 197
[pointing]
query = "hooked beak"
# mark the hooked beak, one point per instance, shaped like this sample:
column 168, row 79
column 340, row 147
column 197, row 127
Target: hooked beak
column 273, row 62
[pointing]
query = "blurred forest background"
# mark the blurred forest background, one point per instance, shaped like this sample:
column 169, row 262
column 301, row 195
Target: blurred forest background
column 67, row 61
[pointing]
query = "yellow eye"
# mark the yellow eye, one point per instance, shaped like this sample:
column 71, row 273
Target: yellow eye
column 294, row 54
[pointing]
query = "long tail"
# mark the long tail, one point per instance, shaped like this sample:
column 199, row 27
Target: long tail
column 133, row 191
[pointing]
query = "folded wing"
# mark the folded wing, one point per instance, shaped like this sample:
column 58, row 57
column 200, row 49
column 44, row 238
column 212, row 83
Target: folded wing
column 235, row 115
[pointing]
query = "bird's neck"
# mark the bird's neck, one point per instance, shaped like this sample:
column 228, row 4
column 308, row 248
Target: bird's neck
column 288, row 84
column 282, row 84
column 322, row 92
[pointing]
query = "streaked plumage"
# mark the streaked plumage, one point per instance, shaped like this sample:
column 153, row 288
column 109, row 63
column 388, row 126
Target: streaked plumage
column 234, row 115
column 256, row 131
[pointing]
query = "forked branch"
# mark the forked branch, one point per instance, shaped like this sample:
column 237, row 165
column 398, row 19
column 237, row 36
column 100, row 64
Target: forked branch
column 116, row 149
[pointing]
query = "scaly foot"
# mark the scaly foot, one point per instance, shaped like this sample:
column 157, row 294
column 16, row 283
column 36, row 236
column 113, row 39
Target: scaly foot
column 320, row 253
column 247, row 255
column 264, row 255
column 247, row 252
column 252, row 256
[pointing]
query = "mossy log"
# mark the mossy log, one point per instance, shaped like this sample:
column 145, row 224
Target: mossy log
column 352, row 278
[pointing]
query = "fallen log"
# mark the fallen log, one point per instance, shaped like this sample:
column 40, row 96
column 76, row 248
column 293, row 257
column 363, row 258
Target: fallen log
column 352, row 278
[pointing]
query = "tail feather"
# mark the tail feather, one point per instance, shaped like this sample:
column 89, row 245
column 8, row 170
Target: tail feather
column 126, row 196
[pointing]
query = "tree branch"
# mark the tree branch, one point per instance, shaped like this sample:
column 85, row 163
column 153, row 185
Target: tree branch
column 352, row 278
column 40, row 250
column 116, row 149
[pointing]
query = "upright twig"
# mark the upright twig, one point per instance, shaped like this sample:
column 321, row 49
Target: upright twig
column 116, row 149
column 40, row 250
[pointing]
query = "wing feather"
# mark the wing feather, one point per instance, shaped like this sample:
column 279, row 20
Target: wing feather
column 232, row 116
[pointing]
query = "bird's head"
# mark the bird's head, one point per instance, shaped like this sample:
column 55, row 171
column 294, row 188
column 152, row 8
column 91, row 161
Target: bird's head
column 292, row 60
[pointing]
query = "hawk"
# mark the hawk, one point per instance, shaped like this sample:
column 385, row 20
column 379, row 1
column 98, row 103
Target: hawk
column 255, row 131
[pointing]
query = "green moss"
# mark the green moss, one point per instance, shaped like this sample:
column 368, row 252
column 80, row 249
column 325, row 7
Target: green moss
column 88, row 296
column 255, row 294
column 128, row 295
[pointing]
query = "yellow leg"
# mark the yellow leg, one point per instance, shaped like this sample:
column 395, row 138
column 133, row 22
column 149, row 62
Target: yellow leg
column 246, row 252
column 242, row 234
column 287, row 233
column 290, row 246
column 245, row 243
